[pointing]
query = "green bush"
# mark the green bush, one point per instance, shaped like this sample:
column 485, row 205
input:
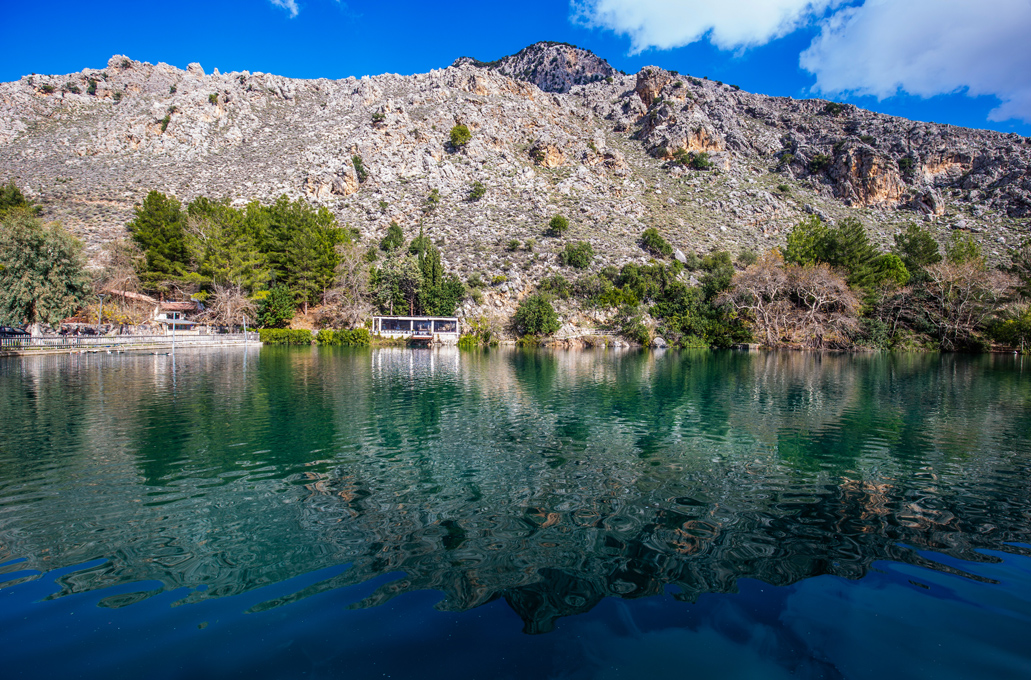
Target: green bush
column 577, row 255
column 46, row 88
column 394, row 239
column 652, row 241
column 355, row 337
column 285, row 336
column 784, row 188
column 747, row 257
column 556, row 285
column 700, row 161
column 164, row 122
column 213, row 98
column 378, row 117
column 558, row 225
column 834, row 109
column 477, row 191
column 906, row 164
column 71, row 87
column 460, row 136
column 819, row 163
column 536, row 316
column 359, row 169
column 171, row 89
column 91, row 88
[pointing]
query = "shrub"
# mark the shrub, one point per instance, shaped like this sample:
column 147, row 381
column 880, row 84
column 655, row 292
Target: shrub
column 785, row 160
column 498, row 280
column 558, row 225
column 784, row 188
column 213, row 98
column 394, row 239
column 577, row 255
column 432, row 201
column 652, row 241
column 356, row 337
column 91, row 87
column 117, row 96
column 819, row 163
column 46, row 88
column 359, row 169
column 692, row 261
column 285, row 336
column 164, row 122
column 71, row 87
column 906, row 164
column 868, row 139
column 378, row 117
column 700, row 161
column 477, row 191
column 834, row 109
column 475, row 280
column 556, row 285
column 536, row 316
column 126, row 63
column 460, row 136
column 962, row 248
column 512, row 245
column 747, row 257
column 171, row 89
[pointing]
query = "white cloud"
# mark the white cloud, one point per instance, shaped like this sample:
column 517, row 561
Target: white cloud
column 728, row 24
column 928, row 47
column 288, row 5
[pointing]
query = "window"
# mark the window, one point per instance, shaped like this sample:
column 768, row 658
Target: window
column 395, row 325
column 444, row 326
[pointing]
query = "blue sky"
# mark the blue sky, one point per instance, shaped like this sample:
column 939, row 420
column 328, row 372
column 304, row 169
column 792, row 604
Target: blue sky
column 948, row 61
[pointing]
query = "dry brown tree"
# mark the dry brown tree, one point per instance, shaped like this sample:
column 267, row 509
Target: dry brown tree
column 758, row 293
column 962, row 296
column 826, row 310
column 228, row 305
column 811, row 306
column 117, row 278
column 347, row 302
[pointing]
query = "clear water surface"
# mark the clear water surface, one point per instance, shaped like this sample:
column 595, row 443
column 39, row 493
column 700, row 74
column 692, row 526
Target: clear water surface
column 441, row 514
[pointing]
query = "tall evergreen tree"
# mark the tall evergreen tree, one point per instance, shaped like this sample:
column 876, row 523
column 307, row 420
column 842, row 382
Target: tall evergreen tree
column 42, row 272
column 159, row 227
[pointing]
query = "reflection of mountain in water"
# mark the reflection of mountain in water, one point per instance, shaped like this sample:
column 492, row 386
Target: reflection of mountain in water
column 551, row 480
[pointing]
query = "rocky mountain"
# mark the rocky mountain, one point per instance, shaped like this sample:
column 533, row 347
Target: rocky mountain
column 554, row 130
column 553, row 67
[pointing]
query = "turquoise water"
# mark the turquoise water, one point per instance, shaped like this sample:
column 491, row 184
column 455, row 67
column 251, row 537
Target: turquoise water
column 433, row 513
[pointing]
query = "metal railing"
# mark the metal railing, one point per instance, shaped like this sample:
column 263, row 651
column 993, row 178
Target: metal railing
column 85, row 341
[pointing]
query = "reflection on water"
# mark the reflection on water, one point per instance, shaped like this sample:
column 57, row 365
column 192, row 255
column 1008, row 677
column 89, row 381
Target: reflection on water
column 548, row 480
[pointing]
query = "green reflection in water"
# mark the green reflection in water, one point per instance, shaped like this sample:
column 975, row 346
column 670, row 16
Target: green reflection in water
column 550, row 479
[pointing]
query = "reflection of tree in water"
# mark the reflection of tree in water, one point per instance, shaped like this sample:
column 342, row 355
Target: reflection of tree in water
column 551, row 480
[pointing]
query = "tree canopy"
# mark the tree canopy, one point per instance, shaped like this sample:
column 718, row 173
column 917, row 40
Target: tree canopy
column 42, row 272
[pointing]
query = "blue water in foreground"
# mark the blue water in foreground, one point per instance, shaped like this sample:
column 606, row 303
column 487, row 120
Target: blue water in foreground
column 429, row 513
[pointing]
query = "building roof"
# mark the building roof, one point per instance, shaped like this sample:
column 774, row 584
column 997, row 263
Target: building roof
column 191, row 306
column 129, row 295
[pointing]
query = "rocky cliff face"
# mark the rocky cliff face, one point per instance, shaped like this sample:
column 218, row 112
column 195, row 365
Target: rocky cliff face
column 554, row 130
column 553, row 67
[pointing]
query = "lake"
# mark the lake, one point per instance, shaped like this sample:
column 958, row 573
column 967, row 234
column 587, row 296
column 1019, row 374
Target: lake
column 329, row 512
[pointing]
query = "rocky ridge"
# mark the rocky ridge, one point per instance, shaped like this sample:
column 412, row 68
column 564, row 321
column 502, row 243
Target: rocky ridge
column 554, row 130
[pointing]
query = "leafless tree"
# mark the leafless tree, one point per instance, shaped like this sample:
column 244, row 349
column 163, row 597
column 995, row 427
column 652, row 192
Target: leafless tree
column 810, row 306
column 829, row 309
column 962, row 297
column 228, row 306
column 347, row 302
column 757, row 292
